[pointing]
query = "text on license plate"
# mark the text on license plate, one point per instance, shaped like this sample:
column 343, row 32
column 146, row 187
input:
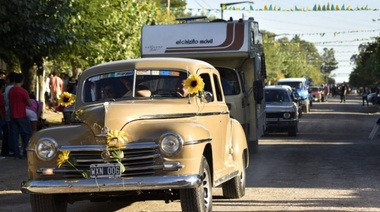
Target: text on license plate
column 105, row 170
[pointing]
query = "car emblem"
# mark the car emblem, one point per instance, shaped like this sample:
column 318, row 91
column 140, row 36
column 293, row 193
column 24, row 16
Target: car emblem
column 106, row 155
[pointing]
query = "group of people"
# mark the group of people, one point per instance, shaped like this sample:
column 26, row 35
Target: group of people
column 19, row 113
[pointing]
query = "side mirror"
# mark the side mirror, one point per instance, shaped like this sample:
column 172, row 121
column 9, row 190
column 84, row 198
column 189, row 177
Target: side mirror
column 208, row 96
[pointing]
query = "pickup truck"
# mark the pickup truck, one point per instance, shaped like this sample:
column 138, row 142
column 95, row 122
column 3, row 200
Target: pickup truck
column 142, row 129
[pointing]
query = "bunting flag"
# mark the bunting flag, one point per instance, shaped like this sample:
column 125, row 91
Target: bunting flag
column 322, row 34
column 271, row 7
column 297, row 44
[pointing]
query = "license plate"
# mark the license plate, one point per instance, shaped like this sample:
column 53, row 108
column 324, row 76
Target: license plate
column 105, row 170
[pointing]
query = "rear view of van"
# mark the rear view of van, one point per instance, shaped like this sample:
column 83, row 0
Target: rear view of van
column 301, row 85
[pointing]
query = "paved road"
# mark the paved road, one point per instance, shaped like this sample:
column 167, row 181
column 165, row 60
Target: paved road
column 330, row 166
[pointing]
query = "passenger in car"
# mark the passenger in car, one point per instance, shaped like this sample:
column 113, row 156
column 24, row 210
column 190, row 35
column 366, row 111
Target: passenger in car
column 108, row 92
column 181, row 90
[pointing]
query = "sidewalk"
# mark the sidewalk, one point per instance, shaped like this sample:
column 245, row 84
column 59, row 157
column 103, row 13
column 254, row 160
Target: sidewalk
column 54, row 118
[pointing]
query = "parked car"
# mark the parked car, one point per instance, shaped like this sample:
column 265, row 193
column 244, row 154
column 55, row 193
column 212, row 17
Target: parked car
column 142, row 129
column 281, row 110
column 318, row 93
column 295, row 98
column 372, row 97
column 302, row 86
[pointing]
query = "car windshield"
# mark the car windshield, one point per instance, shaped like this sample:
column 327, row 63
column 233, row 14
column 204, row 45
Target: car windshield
column 140, row 83
column 276, row 96
column 314, row 89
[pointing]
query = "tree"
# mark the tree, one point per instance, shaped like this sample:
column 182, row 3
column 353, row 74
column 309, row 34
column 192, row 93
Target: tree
column 367, row 65
column 294, row 58
column 329, row 62
column 34, row 30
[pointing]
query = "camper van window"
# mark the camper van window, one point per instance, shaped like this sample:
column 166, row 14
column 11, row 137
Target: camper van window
column 230, row 81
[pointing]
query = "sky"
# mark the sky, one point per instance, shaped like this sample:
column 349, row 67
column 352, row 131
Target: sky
column 341, row 30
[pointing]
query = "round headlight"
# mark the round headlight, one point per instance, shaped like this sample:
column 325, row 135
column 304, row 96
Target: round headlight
column 170, row 143
column 286, row 115
column 46, row 149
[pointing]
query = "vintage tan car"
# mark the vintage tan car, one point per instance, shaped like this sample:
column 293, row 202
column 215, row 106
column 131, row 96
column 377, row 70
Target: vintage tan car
column 136, row 133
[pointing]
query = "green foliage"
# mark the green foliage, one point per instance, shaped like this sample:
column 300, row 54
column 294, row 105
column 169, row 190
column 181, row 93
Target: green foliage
column 367, row 65
column 32, row 30
column 111, row 30
column 294, row 58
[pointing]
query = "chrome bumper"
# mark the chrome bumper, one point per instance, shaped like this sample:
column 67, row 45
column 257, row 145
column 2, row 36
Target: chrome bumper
column 109, row 184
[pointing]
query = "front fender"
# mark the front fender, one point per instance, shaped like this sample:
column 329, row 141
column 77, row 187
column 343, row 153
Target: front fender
column 239, row 142
column 79, row 134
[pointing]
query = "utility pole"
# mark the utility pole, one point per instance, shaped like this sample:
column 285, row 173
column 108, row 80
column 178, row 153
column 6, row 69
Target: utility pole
column 168, row 6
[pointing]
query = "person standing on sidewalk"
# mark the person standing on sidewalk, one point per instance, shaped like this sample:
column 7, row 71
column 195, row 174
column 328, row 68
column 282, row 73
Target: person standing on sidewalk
column 326, row 90
column 343, row 92
column 6, row 129
column 365, row 93
column 4, row 146
column 20, row 124
column 56, row 88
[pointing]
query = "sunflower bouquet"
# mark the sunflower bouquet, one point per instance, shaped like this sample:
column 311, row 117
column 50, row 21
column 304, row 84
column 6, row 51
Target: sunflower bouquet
column 66, row 99
column 195, row 85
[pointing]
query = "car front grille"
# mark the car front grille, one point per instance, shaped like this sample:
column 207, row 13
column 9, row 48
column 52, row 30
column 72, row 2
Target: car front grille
column 140, row 159
column 279, row 115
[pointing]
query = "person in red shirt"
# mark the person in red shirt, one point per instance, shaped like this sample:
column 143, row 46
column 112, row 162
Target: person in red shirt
column 20, row 124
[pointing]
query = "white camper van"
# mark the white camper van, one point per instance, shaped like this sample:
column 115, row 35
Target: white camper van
column 234, row 47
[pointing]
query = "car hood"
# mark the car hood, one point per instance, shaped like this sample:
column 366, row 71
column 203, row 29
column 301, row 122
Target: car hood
column 116, row 115
column 279, row 106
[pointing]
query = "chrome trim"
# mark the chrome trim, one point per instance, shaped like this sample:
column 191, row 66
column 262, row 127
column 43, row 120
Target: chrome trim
column 110, row 184
column 197, row 141
column 168, row 116
column 182, row 115
column 129, row 146
column 140, row 159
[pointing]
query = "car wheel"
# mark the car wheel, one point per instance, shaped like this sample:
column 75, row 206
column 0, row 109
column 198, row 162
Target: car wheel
column 198, row 199
column 48, row 202
column 235, row 188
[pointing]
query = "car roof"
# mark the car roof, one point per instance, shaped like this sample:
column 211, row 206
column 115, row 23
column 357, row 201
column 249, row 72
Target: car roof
column 278, row 87
column 156, row 62
column 292, row 79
